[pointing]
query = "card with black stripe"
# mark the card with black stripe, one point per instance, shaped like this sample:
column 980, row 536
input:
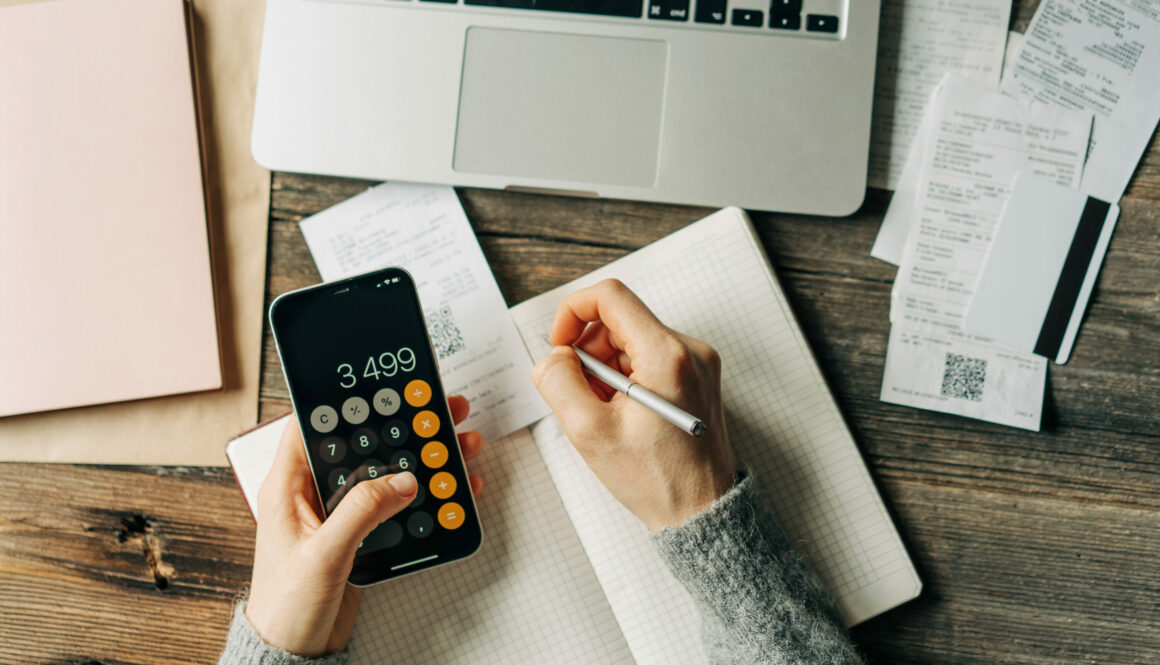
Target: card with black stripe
column 1042, row 266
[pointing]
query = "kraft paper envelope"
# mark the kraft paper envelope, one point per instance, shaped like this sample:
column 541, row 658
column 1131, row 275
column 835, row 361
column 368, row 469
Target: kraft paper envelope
column 189, row 429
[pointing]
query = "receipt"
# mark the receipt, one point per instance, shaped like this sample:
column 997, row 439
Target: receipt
column 978, row 141
column 423, row 229
column 1101, row 56
column 918, row 42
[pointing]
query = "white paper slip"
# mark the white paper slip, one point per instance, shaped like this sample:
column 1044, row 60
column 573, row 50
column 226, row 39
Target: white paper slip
column 251, row 454
column 979, row 141
column 1101, row 56
column 423, row 229
column 1014, row 46
column 918, row 42
column 1043, row 263
column 895, row 226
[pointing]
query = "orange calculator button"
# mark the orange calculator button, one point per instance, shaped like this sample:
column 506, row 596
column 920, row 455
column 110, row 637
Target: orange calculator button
column 451, row 515
column 417, row 393
column 425, row 424
column 434, row 454
column 442, row 485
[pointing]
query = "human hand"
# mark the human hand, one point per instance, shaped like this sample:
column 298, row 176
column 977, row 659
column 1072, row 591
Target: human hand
column 299, row 599
column 659, row 472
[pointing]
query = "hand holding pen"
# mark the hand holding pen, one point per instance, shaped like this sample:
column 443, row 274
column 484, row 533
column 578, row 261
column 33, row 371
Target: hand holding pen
column 659, row 472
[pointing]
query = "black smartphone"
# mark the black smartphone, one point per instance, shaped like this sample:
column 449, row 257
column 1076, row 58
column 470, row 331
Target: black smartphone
column 365, row 385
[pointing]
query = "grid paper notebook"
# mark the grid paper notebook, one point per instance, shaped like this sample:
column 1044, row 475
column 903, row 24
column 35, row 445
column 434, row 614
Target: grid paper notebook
column 565, row 573
column 712, row 281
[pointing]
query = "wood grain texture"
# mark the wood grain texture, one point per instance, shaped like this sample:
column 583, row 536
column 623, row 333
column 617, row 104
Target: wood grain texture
column 1034, row 547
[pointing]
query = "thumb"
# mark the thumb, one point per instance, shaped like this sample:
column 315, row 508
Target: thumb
column 562, row 384
column 367, row 505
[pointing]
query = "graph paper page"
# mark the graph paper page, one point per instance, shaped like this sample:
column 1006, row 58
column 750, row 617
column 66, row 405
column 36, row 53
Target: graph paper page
column 712, row 281
column 528, row 595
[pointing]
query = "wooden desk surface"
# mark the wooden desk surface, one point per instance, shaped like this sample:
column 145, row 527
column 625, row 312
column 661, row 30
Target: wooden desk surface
column 1034, row 548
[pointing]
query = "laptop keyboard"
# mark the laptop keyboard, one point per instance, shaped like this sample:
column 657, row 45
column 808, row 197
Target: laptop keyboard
column 815, row 18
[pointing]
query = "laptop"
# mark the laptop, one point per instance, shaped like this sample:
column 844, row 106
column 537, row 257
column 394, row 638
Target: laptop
column 763, row 104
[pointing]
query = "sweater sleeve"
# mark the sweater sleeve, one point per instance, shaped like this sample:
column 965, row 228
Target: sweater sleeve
column 759, row 601
column 245, row 647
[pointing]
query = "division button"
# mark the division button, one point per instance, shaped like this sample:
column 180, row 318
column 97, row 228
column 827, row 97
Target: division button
column 387, row 401
column 442, row 485
column 419, row 524
column 785, row 21
column 451, row 515
column 426, row 424
column 417, row 393
column 324, row 418
column 710, row 11
column 748, row 17
column 821, row 23
column 434, row 454
column 355, row 410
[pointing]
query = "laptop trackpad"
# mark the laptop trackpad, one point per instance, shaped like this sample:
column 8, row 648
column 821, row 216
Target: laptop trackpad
column 561, row 107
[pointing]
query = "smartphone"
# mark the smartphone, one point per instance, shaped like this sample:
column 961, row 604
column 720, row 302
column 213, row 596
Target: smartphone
column 365, row 385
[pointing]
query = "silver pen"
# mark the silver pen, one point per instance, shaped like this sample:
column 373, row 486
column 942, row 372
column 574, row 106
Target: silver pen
column 649, row 399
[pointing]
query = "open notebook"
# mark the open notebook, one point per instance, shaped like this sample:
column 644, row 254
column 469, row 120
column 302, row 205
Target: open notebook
column 566, row 574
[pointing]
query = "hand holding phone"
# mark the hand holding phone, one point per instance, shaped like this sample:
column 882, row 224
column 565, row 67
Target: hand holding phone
column 365, row 385
column 299, row 598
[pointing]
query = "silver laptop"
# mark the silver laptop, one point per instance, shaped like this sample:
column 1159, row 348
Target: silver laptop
column 763, row 104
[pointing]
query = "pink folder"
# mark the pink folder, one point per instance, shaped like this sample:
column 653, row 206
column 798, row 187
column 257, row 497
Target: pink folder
column 105, row 287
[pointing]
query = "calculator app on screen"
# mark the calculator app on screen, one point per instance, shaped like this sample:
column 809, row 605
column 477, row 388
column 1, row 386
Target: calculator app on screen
column 366, row 390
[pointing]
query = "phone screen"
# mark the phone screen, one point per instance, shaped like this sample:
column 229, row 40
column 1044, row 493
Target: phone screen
column 366, row 389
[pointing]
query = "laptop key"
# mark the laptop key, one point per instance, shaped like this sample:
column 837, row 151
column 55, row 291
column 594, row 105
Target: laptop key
column 630, row 8
column 821, row 23
column 710, row 11
column 668, row 10
column 785, row 21
column 748, row 17
column 785, row 7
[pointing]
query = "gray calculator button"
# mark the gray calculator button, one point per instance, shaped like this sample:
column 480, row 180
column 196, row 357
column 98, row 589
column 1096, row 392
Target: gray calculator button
column 386, row 402
column 364, row 440
column 395, row 432
column 355, row 410
column 339, row 478
column 419, row 524
column 332, row 449
column 419, row 496
column 323, row 418
column 387, row 534
column 372, row 469
column 404, row 460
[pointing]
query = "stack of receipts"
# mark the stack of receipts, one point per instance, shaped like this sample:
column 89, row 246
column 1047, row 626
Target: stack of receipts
column 1006, row 204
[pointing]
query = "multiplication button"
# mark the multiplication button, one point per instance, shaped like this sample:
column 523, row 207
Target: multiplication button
column 386, row 401
column 426, row 424
column 324, row 418
column 355, row 410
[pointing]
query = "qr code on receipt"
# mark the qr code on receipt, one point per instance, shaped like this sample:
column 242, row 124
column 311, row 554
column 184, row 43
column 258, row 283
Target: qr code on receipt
column 963, row 377
column 446, row 337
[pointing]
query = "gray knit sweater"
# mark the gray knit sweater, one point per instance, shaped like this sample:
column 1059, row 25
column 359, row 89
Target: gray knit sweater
column 759, row 602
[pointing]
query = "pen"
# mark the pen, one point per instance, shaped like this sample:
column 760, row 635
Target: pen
column 642, row 395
